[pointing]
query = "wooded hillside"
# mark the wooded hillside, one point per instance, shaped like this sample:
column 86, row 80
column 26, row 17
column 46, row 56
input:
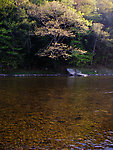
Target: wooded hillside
column 37, row 34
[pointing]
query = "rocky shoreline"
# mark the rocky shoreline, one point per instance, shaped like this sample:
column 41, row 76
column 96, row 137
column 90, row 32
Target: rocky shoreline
column 31, row 75
column 49, row 75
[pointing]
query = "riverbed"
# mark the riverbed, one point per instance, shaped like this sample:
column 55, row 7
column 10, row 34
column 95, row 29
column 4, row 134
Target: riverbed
column 56, row 113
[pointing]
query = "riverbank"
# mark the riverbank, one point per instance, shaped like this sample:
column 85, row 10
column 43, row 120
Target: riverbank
column 100, row 71
column 51, row 75
column 31, row 75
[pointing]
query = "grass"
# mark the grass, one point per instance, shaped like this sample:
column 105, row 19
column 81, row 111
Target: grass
column 98, row 70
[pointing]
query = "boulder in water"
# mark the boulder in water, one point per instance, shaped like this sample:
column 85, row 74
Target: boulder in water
column 75, row 72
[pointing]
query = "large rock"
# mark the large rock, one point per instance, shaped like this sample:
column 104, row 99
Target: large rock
column 75, row 72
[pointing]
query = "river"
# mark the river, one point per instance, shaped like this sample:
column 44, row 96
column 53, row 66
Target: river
column 56, row 113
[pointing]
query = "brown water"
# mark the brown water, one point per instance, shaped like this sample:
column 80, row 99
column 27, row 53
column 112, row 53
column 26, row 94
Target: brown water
column 56, row 113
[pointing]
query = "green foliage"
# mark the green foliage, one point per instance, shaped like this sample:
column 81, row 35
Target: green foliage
column 80, row 31
column 88, row 7
column 6, row 3
column 14, row 35
column 37, row 2
column 9, row 62
column 81, row 60
column 78, row 42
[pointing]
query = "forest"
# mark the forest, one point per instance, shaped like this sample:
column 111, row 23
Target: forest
column 42, row 34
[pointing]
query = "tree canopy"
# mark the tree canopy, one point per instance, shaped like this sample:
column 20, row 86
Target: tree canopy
column 76, row 32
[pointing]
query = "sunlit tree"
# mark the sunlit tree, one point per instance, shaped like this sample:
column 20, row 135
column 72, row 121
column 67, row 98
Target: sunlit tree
column 58, row 22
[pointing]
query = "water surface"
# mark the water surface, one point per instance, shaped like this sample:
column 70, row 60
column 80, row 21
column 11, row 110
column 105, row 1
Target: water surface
column 56, row 113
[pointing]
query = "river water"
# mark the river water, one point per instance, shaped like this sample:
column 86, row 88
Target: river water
column 56, row 113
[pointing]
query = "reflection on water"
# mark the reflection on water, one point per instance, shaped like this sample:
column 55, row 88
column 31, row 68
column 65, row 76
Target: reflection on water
column 56, row 113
